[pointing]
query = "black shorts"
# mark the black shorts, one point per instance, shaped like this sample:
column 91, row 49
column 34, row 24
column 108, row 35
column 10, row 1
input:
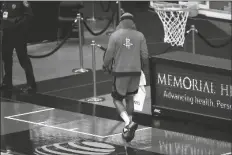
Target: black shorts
column 124, row 86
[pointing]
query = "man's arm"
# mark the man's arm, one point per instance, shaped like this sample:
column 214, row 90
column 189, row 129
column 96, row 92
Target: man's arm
column 109, row 55
column 27, row 9
column 144, row 54
column 27, row 13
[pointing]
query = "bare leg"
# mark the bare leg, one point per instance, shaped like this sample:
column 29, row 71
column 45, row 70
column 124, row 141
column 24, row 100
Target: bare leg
column 130, row 105
column 122, row 111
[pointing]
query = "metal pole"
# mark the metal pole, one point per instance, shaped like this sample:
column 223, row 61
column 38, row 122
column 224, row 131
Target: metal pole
column 80, row 41
column 119, row 10
column 193, row 38
column 194, row 30
column 81, row 69
column 185, row 45
column 114, row 21
column 94, row 68
column 1, row 51
column 93, row 11
column 94, row 98
column 114, row 27
column 114, row 24
column 93, row 19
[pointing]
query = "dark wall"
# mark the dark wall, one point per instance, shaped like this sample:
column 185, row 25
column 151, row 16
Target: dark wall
column 44, row 24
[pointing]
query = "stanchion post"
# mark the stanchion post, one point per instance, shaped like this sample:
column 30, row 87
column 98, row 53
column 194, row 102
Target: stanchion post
column 94, row 98
column 93, row 19
column 114, row 24
column 1, row 64
column 185, row 46
column 193, row 30
column 114, row 27
column 120, row 10
column 81, row 69
column 94, row 68
column 193, row 38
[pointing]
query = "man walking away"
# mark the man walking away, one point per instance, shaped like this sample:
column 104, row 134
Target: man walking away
column 126, row 53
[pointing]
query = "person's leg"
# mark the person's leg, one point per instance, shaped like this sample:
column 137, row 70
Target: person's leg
column 130, row 105
column 7, row 53
column 132, row 90
column 120, row 89
column 122, row 111
column 24, row 60
column 118, row 93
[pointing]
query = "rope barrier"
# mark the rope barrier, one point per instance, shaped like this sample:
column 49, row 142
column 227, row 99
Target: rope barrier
column 103, row 49
column 106, row 70
column 229, row 41
column 102, row 31
column 66, row 38
column 54, row 50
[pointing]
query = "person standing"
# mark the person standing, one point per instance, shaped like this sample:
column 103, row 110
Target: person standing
column 14, row 22
column 125, row 57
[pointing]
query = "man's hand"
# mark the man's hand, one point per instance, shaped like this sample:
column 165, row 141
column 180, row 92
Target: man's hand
column 105, row 69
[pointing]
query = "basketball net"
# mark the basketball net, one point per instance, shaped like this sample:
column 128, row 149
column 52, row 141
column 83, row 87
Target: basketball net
column 174, row 18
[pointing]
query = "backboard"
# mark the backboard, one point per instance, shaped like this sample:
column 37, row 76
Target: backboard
column 214, row 9
column 216, row 12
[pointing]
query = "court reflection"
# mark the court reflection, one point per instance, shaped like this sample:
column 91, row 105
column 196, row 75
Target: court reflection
column 15, row 136
column 178, row 143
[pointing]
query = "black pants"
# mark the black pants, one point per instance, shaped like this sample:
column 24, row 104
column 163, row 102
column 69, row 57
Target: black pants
column 16, row 39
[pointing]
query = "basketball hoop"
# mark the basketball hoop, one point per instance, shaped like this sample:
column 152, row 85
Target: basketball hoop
column 174, row 18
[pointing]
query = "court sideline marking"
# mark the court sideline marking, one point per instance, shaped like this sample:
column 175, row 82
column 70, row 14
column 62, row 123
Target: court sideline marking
column 71, row 130
column 229, row 153
column 55, row 127
column 32, row 112
column 18, row 102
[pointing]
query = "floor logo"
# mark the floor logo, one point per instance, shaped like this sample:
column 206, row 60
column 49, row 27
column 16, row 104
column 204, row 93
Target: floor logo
column 82, row 147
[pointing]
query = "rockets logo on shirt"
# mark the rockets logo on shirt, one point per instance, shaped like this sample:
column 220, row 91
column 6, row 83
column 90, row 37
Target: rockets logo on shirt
column 128, row 43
